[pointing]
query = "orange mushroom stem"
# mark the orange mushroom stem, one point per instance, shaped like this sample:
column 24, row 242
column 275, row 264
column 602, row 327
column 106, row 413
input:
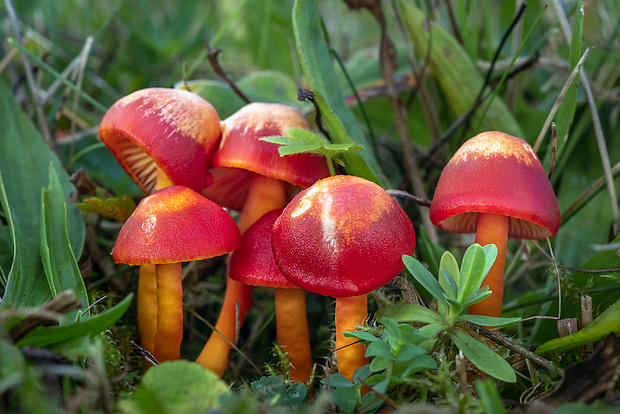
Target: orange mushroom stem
column 492, row 229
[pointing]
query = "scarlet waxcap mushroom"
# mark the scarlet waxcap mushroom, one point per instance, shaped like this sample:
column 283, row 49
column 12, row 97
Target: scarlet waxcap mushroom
column 173, row 130
column 495, row 185
column 496, row 173
column 241, row 153
column 253, row 264
column 344, row 236
column 173, row 225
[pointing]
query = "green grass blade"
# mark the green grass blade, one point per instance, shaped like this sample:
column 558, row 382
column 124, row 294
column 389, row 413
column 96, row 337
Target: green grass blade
column 60, row 265
column 55, row 335
column 317, row 66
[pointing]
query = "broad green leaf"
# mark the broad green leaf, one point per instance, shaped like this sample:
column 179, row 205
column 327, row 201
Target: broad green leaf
column 409, row 313
column 270, row 86
column 54, row 335
column 337, row 380
column 345, row 398
column 419, row 363
column 425, row 278
column 218, row 94
column 379, row 349
column 59, row 263
column 489, row 320
column 268, row 387
column 294, row 395
column 409, row 334
column 318, row 69
column 472, row 271
column 379, row 364
column 457, row 75
column 606, row 323
column 23, row 177
column 410, row 351
column 482, row 356
column 181, row 386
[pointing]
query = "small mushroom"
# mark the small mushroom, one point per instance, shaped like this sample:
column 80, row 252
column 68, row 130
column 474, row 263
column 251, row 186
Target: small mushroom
column 343, row 237
column 253, row 264
column 171, row 226
column 495, row 185
column 251, row 177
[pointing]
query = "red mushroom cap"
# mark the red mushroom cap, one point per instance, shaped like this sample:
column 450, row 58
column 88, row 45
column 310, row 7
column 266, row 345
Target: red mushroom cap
column 175, row 224
column 172, row 129
column 242, row 153
column 253, row 263
column 496, row 173
column 343, row 236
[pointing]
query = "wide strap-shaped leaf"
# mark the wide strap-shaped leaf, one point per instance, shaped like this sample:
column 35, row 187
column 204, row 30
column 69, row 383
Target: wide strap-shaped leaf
column 55, row 335
column 61, row 268
column 24, row 164
column 318, row 69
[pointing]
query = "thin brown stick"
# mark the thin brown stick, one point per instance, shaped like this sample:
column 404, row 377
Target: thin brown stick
column 517, row 349
column 212, row 54
column 405, row 194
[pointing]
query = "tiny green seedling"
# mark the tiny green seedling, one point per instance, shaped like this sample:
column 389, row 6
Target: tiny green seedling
column 396, row 355
column 300, row 140
column 455, row 290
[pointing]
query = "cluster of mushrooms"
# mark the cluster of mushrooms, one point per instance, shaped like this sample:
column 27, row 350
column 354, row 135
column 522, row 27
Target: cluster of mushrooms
column 298, row 228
